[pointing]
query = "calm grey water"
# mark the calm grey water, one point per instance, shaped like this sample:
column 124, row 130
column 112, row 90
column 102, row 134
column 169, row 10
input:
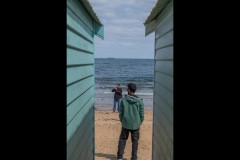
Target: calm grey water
column 109, row 72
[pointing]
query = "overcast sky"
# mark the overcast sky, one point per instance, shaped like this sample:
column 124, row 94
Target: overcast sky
column 124, row 31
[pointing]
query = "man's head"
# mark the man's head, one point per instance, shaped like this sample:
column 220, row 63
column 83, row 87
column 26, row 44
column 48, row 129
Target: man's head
column 132, row 87
column 118, row 85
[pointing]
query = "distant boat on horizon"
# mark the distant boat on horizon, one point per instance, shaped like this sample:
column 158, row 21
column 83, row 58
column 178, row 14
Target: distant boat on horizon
column 110, row 58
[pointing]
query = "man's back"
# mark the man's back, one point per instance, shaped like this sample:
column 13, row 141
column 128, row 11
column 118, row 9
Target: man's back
column 131, row 112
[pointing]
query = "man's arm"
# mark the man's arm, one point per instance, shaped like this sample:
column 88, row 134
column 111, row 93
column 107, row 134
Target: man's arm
column 121, row 111
column 141, row 112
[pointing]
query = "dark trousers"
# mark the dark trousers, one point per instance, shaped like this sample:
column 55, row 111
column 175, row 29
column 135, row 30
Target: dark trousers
column 122, row 142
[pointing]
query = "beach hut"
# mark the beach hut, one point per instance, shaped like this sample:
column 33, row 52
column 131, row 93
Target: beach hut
column 160, row 21
column 82, row 25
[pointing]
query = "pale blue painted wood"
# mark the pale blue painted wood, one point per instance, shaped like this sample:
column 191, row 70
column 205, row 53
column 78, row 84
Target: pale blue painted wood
column 164, row 108
column 163, row 141
column 165, row 80
column 165, row 27
column 165, row 14
column 78, row 42
column 76, row 7
column 76, row 89
column 163, row 86
column 164, row 67
column 77, row 105
column 160, row 153
column 164, row 53
column 164, row 93
column 74, row 22
column 76, row 73
column 165, row 40
column 71, row 127
column 161, row 144
column 162, row 121
column 157, row 153
column 75, row 57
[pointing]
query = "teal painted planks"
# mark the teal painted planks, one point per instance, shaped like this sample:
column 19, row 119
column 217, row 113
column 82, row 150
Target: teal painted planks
column 76, row 89
column 165, row 40
column 78, row 104
column 164, row 27
column 164, row 54
column 73, row 125
column 75, row 144
column 75, row 57
column 164, row 67
column 164, row 93
column 78, row 10
column 76, row 73
column 75, row 23
column 163, row 139
column 160, row 121
column 78, row 42
column 164, row 108
column 78, row 27
column 165, row 80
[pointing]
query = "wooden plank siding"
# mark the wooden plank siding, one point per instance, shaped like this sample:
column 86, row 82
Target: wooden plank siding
column 80, row 82
column 163, row 86
column 77, row 145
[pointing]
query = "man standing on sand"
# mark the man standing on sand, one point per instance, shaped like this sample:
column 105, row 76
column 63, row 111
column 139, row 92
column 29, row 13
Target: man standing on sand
column 117, row 97
column 131, row 115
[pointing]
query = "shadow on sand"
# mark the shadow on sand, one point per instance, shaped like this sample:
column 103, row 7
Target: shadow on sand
column 109, row 156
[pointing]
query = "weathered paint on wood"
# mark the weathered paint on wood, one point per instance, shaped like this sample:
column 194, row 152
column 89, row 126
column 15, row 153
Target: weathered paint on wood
column 75, row 146
column 164, row 108
column 75, row 23
column 75, row 57
column 79, row 103
column 78, row 88
column 164, row 67
column 164, row 122
column 77, row 9
column 73, row 125
column 165, row 27
column 165, row 40
column 164, row 53
column 164, row 93
column 163, row 82
column 164, row 139
column 79, row 42
column 79, row 72
column 81, row 28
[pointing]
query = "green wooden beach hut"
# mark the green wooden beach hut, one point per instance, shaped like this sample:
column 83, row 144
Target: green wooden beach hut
column 160, row 21
column 82, row 25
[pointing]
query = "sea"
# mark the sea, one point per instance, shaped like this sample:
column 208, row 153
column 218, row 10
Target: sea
column 111, row 71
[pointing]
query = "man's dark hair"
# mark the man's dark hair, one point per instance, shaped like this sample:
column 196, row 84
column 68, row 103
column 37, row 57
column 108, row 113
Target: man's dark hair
column 132, row 87
column 118, row 84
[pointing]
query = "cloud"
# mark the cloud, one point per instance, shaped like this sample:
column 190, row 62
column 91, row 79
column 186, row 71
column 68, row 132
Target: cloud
column 123, row 27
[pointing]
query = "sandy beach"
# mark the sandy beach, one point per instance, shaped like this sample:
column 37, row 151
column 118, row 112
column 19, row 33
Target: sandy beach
column 107, row 132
